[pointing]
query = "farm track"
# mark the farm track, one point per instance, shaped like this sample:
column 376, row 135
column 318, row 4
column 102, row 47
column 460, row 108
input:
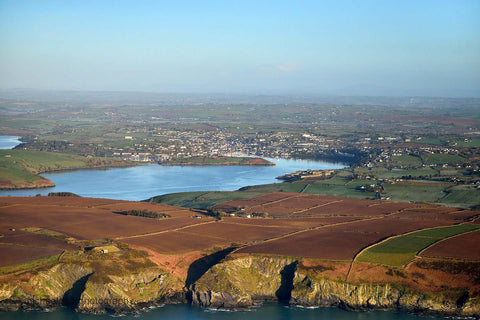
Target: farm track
column 419, row 253
column 276, row 201
column 314, row 207
column 164, row 231
column 402, row 235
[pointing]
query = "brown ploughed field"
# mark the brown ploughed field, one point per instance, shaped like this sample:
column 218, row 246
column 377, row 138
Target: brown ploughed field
column 332, row 245
column 11, row 254
column 175, row 242
column 300, row 225
column 23, row 238
column 236, row 232
column 308, row 205
column 390, row 225
column 464, row 246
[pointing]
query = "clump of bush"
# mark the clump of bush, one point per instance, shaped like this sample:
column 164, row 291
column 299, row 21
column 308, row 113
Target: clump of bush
column 144, row 213
column 63, row 194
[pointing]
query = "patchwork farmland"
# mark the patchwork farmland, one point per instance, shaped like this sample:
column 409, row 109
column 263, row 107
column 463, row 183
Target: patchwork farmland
column 415, row 246
column 293, row 224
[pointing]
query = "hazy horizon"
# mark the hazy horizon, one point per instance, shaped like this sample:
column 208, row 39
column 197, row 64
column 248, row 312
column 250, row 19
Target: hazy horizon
column 369, row 48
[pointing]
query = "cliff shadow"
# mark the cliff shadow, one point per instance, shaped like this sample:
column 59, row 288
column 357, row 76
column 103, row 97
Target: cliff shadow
column 72, row 296
column 198, row 268
column 284, row 292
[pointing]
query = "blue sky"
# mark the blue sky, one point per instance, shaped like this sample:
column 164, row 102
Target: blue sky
column 429, row 48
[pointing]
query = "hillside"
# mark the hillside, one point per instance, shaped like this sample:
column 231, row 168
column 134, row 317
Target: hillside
column 21, row 168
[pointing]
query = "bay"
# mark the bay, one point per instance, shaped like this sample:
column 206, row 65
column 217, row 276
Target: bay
column 9, row 142
column 268, row 311
column 145, row 181
column 142, row 182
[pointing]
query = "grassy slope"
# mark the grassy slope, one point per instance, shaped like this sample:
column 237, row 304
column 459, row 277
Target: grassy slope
column 202, row 199
column 20, row 168
column 425, row 192
column 398, row 251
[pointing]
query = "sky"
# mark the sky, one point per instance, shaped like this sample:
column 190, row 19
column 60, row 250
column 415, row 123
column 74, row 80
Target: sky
column 422, row 48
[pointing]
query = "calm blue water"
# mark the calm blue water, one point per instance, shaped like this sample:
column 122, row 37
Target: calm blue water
column 8, row 142
column 270, row 311
column 142, row 182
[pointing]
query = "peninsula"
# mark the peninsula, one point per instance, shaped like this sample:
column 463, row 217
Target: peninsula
column 20, row 169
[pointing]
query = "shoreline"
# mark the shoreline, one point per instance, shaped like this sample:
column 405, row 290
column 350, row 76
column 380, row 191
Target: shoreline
column 55, row 305
column 50, row 184
column 219, row 161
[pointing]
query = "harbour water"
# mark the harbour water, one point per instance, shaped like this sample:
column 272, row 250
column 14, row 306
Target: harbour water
column 142, row 182
column 145, row 181
column 9, row 142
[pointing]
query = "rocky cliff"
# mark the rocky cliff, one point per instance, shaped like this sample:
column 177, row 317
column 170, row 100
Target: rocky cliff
column 238, row 283
column 129, row 292
column 43, row 290
column 90, row 287
column 241, row 282
column 324, row 292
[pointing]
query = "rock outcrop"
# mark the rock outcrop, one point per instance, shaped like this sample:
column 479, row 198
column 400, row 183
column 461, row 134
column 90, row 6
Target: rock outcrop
column 44, row 290
column 238, row 283
column 241, row 282
column 128, row 293
column 79, row 288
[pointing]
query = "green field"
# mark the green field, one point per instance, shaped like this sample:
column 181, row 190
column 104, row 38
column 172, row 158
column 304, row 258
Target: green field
column 17, row 176
column 383, row 173
column 405, row 160
column 442, row 158
column 276, row 187
column 400, row 250
column 462, row 196
column 22, row 167
column 336, row 180
column 203, row 200
column 475, row 142
column 424, row 192
column 431, row 140
column 339, row 190
column 36, row 162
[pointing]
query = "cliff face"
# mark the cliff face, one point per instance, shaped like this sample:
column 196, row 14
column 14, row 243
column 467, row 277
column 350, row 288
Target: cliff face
column 323, row 292
column 129, row 292
column 240, row 282
column 234, row 282
column 79, row 288
column 44, row 290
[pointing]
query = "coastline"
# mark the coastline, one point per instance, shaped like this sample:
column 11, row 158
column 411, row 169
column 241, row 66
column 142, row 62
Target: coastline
column 46, row 183
column 221, row 288
column 219, row 161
